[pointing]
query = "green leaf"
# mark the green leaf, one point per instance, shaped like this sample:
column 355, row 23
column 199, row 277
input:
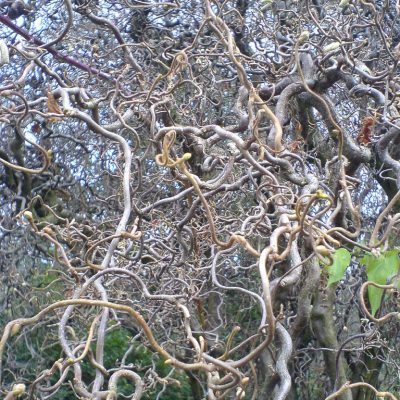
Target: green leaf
column 341, row 260
column 379, row 270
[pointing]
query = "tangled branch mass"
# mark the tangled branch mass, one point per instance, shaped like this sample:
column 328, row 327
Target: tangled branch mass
column 199, row 199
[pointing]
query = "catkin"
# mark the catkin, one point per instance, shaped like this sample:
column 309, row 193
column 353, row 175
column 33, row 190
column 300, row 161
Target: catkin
column 4, row 55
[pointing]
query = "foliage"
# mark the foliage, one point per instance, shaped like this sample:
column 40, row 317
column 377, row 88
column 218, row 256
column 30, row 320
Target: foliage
column 341, row 260
column 381, row 269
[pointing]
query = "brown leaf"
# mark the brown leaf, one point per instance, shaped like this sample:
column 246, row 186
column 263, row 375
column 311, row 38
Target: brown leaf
column 364, row 137
column 36, row 127
column 298, row 128
column 296, row 145
column 53, row 107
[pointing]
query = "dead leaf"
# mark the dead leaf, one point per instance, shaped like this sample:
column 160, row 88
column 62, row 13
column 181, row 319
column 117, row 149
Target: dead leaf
column 36, row 127
column 364, row 136
column 53, row 107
